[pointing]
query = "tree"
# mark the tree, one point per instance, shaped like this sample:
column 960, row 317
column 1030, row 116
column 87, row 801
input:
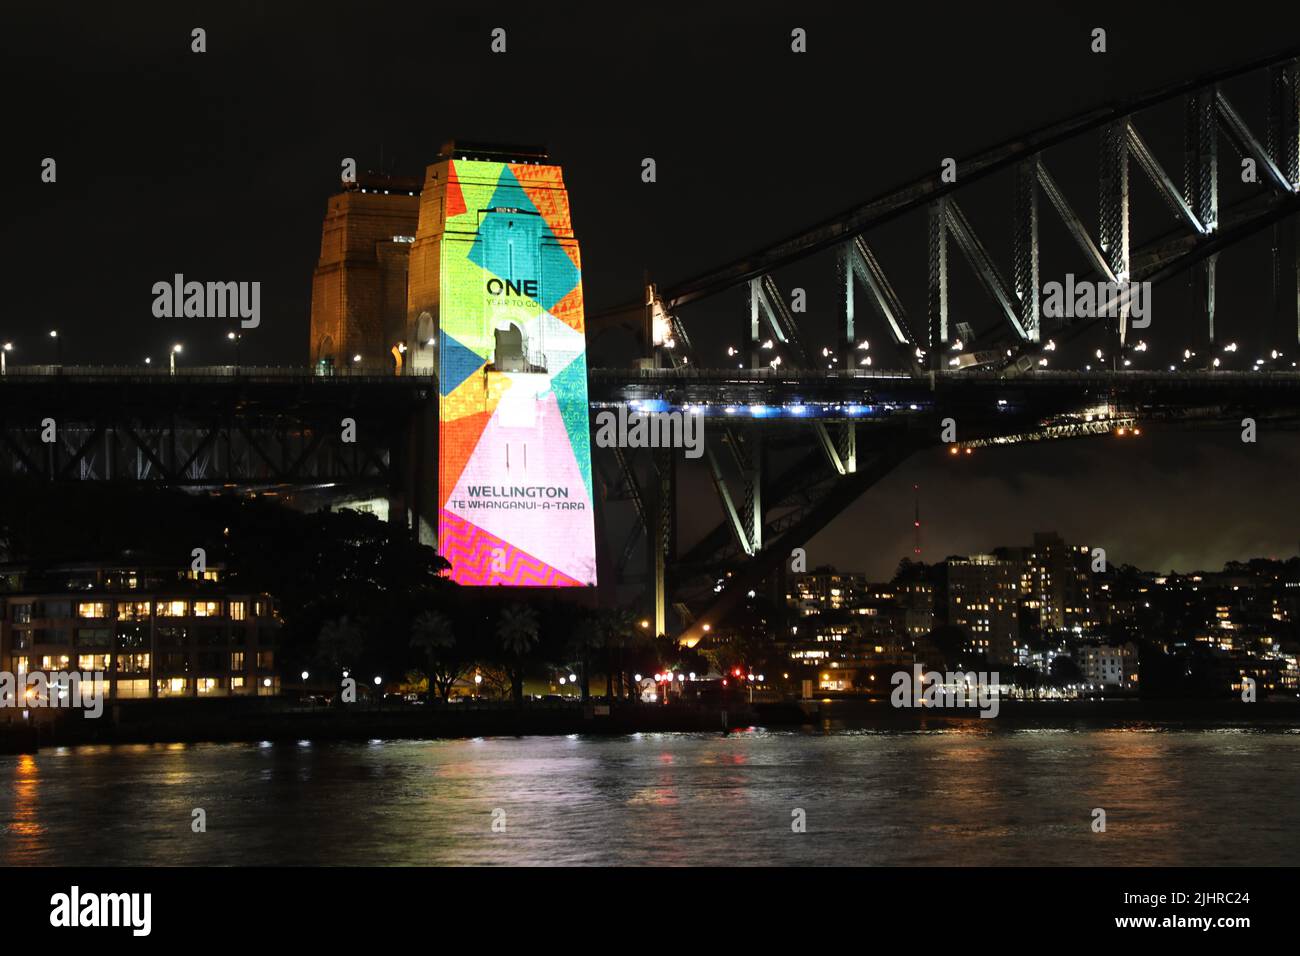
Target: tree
column 587, row 637
column 341, row 643
column 1065, row 671
column 618, row 631
column 432, row 634
column 518, row 632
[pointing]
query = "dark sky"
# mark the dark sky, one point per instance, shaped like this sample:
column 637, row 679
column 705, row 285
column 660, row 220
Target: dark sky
column 218, row 166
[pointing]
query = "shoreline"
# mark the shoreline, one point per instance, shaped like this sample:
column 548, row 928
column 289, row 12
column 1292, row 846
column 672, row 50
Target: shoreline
column 226, row 721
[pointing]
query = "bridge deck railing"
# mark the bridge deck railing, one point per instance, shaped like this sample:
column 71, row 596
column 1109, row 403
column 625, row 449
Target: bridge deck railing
column 264, row 373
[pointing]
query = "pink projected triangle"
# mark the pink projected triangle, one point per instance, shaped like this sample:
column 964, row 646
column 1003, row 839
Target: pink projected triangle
column 512, row 455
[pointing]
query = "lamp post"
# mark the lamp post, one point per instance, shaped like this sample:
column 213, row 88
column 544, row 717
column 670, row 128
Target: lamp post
column 176, row 350
column 4, row 351
column 235, row 337
column 58, row 347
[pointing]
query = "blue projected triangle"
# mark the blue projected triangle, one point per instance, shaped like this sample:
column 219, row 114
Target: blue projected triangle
column 456, row 363
column 519, row 246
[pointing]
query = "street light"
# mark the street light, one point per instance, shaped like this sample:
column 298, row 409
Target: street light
column 235, row 337
column 176, row 350
column 58, row 347
column 5, row 350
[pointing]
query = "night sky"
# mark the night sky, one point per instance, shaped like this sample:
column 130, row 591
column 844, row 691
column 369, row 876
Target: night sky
column 219, row 165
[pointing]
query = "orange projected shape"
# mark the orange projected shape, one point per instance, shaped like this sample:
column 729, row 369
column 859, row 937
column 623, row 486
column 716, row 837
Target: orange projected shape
column 569, row 309
column 455, row 199
column 458, row 439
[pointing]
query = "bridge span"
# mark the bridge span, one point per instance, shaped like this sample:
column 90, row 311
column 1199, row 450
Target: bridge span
column 786, row 451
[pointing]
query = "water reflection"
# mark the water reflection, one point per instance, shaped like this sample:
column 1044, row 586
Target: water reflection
column 942, row 795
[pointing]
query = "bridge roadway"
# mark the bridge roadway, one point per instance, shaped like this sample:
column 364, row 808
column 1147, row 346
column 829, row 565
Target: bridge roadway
column 260, row 426
column 710, row 390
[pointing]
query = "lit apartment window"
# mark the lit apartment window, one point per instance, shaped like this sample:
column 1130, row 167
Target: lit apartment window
column 22, row 614
column 21, row 664
column 238, row 611
column 237, row 661
column 92, row 662
column 263, row 607
column 265, row 660
column 206, row 685
column 172, row 608
column 236, row 683
column 55, row 662
column 207, row 608
column 133, row 611
column 92, row 609
column 132, row 663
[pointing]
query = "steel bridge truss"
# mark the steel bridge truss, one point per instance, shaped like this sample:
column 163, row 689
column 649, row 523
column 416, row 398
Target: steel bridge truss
column 766, row 511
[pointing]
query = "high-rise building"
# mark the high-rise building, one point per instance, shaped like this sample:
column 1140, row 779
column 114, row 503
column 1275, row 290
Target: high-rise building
column 1062, row 584
column 983, row 598
column 825, row 589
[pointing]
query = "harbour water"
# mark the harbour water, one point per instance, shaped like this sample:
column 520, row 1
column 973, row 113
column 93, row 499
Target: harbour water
column 959, row 796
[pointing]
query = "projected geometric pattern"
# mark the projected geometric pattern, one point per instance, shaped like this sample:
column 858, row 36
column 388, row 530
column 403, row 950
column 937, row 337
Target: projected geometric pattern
column 474, row 551
column 514, row 458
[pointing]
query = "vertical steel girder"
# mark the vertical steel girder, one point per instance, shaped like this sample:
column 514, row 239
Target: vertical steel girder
column 662, row 534
column 752, row 339
column 848, row 308
column 754, row 488
column 937, row 287
column 1284, row 120
column 765, row 296
column 1114, row 219
column 849, row 446
column 1283, row 134
column 1201, row 187
column 1200, row 159
column 1024, row 248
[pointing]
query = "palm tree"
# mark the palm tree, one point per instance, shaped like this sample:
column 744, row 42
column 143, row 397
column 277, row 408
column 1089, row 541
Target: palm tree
column 517, row 630
column 619, row 628
column 587, row 636
column 431, row 632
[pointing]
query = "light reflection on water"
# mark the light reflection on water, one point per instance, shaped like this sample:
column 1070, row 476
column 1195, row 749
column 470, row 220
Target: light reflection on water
column 957, row 797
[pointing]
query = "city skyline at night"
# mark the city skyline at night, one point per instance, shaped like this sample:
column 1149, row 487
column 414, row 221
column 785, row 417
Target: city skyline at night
column 724, row 439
